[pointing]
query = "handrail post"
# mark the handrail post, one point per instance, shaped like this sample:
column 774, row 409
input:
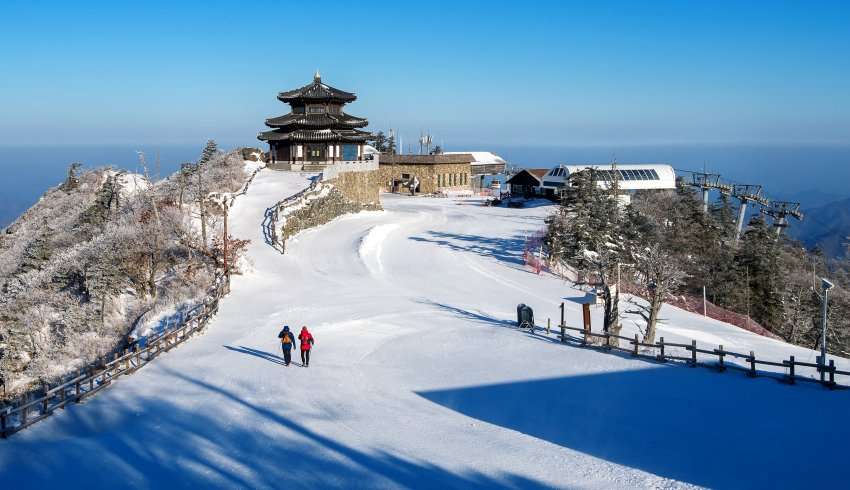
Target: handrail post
column 791, row 370
column 548, row 325
column 3, row 424
column 636, row 346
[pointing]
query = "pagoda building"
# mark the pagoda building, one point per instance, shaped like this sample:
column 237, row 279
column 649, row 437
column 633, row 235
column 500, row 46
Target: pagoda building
column 317, row 131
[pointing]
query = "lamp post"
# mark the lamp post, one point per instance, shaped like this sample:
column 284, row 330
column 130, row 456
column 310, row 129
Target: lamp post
column 618, row 274
column 826, row 286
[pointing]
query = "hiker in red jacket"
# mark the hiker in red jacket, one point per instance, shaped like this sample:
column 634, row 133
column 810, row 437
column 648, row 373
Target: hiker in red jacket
column 306, row 339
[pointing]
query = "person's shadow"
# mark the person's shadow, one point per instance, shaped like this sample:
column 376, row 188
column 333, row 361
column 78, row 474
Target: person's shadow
column 268, row 356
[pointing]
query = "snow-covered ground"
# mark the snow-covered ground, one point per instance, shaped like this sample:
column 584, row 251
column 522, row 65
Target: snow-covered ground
column 419, row 379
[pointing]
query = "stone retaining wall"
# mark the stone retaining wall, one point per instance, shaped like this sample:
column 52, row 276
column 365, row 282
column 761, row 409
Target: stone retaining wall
column 348, row 193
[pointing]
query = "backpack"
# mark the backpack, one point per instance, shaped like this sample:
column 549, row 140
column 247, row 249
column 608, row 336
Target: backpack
column 287, row 339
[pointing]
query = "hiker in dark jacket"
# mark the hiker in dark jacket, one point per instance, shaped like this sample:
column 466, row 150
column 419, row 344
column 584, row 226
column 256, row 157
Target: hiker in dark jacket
column 307, row 341
column 287, row 343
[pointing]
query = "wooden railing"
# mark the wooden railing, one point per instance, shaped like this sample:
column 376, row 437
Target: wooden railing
column 99, row 375
column 715, row 358
column 103, row 372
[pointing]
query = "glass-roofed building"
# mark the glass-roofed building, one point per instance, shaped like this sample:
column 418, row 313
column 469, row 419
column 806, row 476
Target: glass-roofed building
column 317, row 132
column 631, row 177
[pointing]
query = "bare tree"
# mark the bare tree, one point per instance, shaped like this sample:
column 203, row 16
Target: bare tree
column 659, row 275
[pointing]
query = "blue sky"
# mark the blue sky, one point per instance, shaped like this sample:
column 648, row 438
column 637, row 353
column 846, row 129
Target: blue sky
column 529, row 73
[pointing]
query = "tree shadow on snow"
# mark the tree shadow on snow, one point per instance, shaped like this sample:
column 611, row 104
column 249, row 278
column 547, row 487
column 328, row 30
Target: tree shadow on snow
column 223, row 440
column 696, row 426
column 509, row 250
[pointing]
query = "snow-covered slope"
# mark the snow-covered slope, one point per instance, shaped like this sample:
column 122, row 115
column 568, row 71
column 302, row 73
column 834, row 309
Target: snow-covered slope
column 419, row 379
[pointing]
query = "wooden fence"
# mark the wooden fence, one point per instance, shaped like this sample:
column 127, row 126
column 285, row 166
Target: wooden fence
column 99, row 375
column 103, row 372
column 693, row 356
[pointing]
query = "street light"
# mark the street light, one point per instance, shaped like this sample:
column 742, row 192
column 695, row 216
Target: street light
column 826, row 286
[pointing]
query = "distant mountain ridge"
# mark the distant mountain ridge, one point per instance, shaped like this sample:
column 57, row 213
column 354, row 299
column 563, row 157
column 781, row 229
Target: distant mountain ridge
column 826, row 226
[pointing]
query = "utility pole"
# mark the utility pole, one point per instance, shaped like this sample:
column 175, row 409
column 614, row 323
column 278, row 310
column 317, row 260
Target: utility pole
column 618, row 274
column 226, row 212
column 826, row 285
column 748, row 295
column 201, row 203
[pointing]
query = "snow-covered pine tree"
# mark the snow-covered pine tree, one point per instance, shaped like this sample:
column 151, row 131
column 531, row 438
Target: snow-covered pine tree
column 758, row 267
column 210, row 150
column 587, row 235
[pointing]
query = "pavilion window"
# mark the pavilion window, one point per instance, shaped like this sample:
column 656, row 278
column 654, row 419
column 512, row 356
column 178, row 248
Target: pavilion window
column 317, row 109
column 299, row 151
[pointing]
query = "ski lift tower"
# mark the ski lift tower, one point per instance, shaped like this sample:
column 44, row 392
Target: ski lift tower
column 706, row 182
column 425, row 141
column 779, row 211
column 746, row 193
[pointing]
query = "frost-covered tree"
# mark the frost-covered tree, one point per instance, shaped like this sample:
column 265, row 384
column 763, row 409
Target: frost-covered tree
column 380, row 142
column 84, row 263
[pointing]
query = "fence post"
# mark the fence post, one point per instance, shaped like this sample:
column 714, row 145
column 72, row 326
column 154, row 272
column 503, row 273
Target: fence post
column 661, row 354
column 24, row 411
column 562, row 313
column 91, row 379
column 563, row 333
column 831, row 374
column 693, row 353
column 791, row 370
column 44, row 405
column 548, row 325
column 752, row 359
column 720, row 355
column 3, row 424
column 635, row 352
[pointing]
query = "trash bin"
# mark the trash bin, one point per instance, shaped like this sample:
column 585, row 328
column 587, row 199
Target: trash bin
column 524, row 316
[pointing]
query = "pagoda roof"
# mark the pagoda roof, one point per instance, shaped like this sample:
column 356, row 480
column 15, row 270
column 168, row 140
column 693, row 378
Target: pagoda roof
column 317, row 120
column 316, row 91
column 316, row 135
